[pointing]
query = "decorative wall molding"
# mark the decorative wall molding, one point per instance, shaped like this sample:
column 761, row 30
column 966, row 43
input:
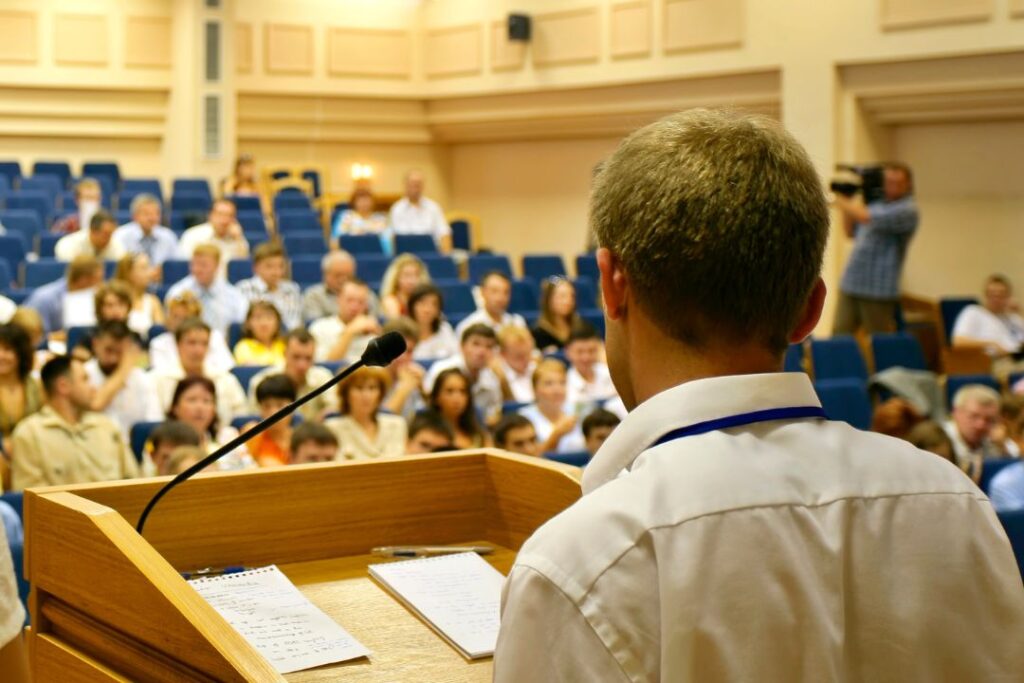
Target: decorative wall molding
column 569, row 37
column 630, row 29
column 369, row 53
column 324, row 119
column 453, row 51
column 288, row 49
column 80, row 40
column 19, row 37
column 506, row 55
column 904, row 14
column 691, row 25
column 61, row 112
column 147, row 42
column 243, row 48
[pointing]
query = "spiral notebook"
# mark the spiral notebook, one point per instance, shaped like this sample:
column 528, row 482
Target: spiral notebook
column 278, row 620
column 459, row 596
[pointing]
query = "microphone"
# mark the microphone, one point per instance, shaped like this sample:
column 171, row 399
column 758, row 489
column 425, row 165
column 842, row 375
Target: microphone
column 380, row 352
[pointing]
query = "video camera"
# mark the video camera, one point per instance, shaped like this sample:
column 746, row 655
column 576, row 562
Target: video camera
column 868, row 179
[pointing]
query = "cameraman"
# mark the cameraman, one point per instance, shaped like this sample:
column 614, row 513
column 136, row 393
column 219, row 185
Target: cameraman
column 870, row 288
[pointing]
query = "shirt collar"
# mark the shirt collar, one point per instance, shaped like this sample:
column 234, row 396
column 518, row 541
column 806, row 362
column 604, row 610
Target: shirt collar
column 691, row 403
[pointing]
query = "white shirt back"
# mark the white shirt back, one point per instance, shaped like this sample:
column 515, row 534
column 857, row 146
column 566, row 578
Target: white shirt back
column 777, row 551
column 979, row 323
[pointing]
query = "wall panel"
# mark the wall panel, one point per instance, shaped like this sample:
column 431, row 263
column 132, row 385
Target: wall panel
column 369, row 53
column 80, row 40
column 631, row 29
column 19, row 40
column 453, row 51
column 507, row 55
column 288, row 49
column 243, row 48
column 702, row 24
column 898, row 14
column 570, row 37
column 148, row 42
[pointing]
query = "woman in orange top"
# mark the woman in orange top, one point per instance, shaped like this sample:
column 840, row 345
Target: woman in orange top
column 273, row 446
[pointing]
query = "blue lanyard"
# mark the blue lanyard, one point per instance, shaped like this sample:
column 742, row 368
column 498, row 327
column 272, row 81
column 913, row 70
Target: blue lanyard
column 772, row 414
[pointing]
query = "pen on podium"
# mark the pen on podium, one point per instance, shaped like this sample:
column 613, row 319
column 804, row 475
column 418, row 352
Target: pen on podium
column 428, row 550
column 212, row 571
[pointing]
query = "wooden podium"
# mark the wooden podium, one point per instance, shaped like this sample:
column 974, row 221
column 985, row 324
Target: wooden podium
column 110, row 605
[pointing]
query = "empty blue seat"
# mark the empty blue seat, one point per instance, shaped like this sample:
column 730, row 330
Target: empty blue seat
column 990, row 468
column 525, row 299
column 61, row 169
column 12, row 170
column 306, row 270
column 78, row 333
column 440, row 266
column 255, row 238
column 43, row 271
column 32, row 200
column 1013, row 523
column 794, row 361
column 371, row 267
column 955, row 383
column 174, row 270
column 133, row 186
column 50, row 184
column 139, row 435
column 586, row 296
column 309, row 243
column 6, row 275
column 298, row 220
column 13, row 250
column 897, row 350
column 239, row 269
column 18, row 296
column 234, row 334
column 191, row 186
column 415, row 244
column 246, row 202
column 481, row 264
column 542, row 266
column 252, row 221
column 575, row 458
column 845, row 400
column 461, row 236
column 458, row 299
column 837, row 358
column 949, row 309
column 313, row 176
column 361, row 244
column 245, row 373
column 196, row 202
column 24, row 222
column 183, row 219
column 5, row 187
column 291, row 200
column 595, row 318
column 586, row 266
column 47, row 244
column 103, row 169
column 66, row 202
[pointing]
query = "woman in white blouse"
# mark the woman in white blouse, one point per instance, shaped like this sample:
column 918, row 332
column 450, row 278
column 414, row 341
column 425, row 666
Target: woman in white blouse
column 362, row 430
column 557, row 430
column 436, row 337
column 138, row 273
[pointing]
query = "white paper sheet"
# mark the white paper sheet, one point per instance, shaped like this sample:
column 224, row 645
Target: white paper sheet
column 458, row 595
column 278, row 620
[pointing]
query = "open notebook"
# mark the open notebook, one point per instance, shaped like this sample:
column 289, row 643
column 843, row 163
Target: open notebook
column 458, row 595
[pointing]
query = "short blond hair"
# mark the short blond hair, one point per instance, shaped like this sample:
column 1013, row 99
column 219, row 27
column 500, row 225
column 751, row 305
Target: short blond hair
column 208, row 250
column 976, row 393
column 389, row 283
column 83, row 266
column 514, row 333
column 86, row 184
column 546, row 366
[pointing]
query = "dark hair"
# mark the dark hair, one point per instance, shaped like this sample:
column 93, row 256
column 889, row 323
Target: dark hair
column 928, row 436
column 495, row 273
column 903, row 168
column 186, row 384
column 99, row 218
column 582, row 331
column 430, row 421
column 506, row 425
column 16, row 339
column 189, row 325
column 403, row 326
column 999, row 279
column 467, row 421
column 299, row 334
column 479, row 330
column 276, row 386
column 547, row 316
column 55, row 368
column 115, row 329
column 599, row 418
column 312, row 431
column 174, row 431
column 268, row 250
column 266, row 306
column 422, row 292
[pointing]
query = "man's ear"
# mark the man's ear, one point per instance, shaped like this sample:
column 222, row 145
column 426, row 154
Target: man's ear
column 811, row 313
column 614, row 283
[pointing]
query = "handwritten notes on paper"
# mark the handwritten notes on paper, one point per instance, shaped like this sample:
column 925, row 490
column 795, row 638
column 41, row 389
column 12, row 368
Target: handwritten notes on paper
column 280, row 622
column 458, row 595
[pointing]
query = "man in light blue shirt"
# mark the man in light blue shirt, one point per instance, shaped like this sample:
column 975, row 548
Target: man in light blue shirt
column 1006, row 490
column 222, row 303
column 145, row 235
column 83, row 273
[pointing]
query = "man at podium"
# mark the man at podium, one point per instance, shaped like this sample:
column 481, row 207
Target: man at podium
column 728, row 530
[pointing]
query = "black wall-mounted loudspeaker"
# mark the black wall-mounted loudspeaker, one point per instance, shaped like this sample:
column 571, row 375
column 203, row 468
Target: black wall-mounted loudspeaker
column 519, row 27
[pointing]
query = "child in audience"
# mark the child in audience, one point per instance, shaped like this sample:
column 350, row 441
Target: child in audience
column 557, row 314
column 164, row 438
column 313, row 442
column 136, row 271
column 362, row 430
column 181, row 458
column 273, row 447
column 930, row 436
column 558, row 431
column 262, row 342
column 429, row 433
column 516, row 434
column 402, row 277
column 589, row 381
column 451, row 399
column 436, row 336
column 597, row 427
column 195, row 403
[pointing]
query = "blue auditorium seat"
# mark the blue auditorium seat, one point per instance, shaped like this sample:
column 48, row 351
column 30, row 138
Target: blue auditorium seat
column 174, row 270
column 990, row 468
column 252, row 221
column 575, row 458
column 103, row 169
column 481, row 264
column 66, row 202
column 525, row 299
column 306, row 270
column 307, row 243
column 298, row 220
column 6, row 276
column 5, row 187
column 24, row 222
column 255, row 238
column 133, row 186
column 586, row 266
column 32, row 200
column 191, row 186
column 845, row 399
column 77, row 333
column 284, row 201
column 245, row 373
column 836, row 358
column 458, row 299
column 61, row 169
column 194, row 202
column 794, row 358
column 246, row 202
column 48, row 244
column 361, row 244
column 1013, row 523
column 542, row 266
column 461, row 235
column 415, row 244
column 182, row 220
column 234, row 334
column 43, row 271
column 239, row 269
column 949, row 309
column 139, row 435
column 12, row 170
column 440, row 266
column 955, row 383
column 897, row 350
column 371, row 267
column 594, row 317
column 13, row 250
column 50, row 184
column 586, row 295
column 313, row 176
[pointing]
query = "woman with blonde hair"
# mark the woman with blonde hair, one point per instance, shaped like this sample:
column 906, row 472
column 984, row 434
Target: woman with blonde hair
column 362, row 430
column 557, row 314
column 402, row 277
column 136, row 271
column 557, row 430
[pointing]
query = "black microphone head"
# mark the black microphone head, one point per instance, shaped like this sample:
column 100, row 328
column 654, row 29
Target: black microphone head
column 384, row 349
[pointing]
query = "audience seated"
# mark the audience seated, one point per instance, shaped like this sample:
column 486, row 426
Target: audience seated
column 993, row 326
column 29, row 320
column 112, row 302
column 451, row 398
column 895, row 417
column 415, row 214
column 273, row 447
column 97, row 241
column 401, row 278
column 932, row 437
column 163, row 349
column 313, row 442
column 558, row 430
column 518, row 361
column 180, row 459
column 429, row 433
column 517, row 434
column 65, row 442
column 361, row 218
column 124, row 391
column 1011, row 421
column 321, row 300
column 223, row 304
column 88, row 198
column 975, row 415
column 135, row 271
column 193, row 341
column 269, row 284
column 436, row 337
column 589, row 381
column 262, row 341
column 597, row 427
column 405, row 397
column 344, row 336
column 297, row 366
column 362, row 430
column 144, row 234
column 1006, row 490
column 163, row 440
column 475, row 360
column 558, row 314
column 222, row 230
column 496, row 293
column 194, row 402
column 64, row 303
column 243, row 180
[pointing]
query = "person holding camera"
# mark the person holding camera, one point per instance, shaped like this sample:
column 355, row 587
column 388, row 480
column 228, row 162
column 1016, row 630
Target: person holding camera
column 881, row 230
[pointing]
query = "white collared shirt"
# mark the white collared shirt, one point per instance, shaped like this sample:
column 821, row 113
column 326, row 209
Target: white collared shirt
column 204, row 233
column 78, row 243
column 423, row 218
column 601, row 388
column 135, row 402
column 779, row 551
column 482, row 317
